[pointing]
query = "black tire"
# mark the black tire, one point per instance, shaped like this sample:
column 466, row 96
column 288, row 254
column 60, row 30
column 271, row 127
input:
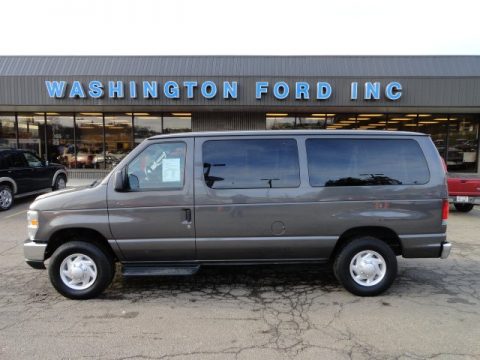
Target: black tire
column 341, row 265
column 6, row 197
column 58, row 182
column 103, row 262
column 463, row 207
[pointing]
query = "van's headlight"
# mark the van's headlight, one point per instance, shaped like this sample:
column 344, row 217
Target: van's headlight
column 32, row 218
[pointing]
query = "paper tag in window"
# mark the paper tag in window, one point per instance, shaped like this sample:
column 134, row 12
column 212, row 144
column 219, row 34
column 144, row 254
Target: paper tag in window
column 171, row 170
column 469, row 157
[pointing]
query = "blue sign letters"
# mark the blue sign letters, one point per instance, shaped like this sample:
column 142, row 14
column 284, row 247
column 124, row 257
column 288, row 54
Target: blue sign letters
column 208, row 89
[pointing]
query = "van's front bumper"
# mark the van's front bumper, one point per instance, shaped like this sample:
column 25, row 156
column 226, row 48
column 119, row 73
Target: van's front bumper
column 34, row 253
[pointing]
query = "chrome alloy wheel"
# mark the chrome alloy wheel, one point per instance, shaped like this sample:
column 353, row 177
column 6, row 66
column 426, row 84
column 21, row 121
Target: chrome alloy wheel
column 61, row 184
column 78, row 271
column 368, row 268
column 5, row 199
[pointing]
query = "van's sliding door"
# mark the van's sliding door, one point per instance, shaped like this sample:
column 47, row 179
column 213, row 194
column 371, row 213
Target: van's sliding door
column 249, row 203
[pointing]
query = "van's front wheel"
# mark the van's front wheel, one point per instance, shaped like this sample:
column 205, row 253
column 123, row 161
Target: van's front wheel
column 366, row 266
column 80, row 270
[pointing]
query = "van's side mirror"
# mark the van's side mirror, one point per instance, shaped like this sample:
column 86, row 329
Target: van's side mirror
column 133, row 183
column 119, row 181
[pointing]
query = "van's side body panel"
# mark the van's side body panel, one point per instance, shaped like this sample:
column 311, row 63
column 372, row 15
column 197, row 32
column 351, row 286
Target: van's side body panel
column 242, row 224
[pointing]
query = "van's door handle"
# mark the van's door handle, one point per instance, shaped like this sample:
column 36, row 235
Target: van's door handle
column 188, row 215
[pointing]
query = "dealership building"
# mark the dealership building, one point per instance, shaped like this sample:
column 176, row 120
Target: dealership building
column 87, row 112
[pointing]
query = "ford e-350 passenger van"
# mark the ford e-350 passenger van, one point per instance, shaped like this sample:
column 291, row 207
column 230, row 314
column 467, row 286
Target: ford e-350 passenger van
column 356, row 198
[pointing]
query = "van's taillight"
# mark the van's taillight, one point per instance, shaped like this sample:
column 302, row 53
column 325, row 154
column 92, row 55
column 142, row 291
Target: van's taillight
column 445, row 209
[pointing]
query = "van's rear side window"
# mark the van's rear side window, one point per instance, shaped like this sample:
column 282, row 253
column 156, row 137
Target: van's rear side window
column 361, row 162
column 251, row 164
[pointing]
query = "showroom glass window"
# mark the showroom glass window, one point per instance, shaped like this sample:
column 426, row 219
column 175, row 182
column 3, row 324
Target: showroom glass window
column 61, row 139
column 8, row 133
column 146, row 125
column 340, row 121
column 251, row 164
column 284, row 121
column 311, row 121
column 437, row 127
column 279, row 121
column 402, row 122
column 89, row 145
column 31, row 133
column 177, row 123
column 360, row 162
column 462, row 143
column 118, row 138
column 366, row 121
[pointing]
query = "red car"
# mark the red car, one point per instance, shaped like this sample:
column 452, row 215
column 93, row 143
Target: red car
column 464, row 191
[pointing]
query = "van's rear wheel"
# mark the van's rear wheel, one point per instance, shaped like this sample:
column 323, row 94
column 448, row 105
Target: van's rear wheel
column 463, row 207
column 80, row 270
column 366, row 266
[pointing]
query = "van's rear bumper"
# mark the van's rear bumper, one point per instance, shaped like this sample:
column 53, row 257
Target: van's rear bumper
column 425, row 245
column 34, row 253
column 446, row 248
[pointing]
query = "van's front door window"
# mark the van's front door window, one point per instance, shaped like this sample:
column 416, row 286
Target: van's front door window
column 158, row 167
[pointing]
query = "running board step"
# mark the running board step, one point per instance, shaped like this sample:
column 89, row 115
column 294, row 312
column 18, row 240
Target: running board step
column 129, row 270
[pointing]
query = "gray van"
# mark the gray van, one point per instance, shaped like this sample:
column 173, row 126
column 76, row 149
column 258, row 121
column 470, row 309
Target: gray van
column 176, row 202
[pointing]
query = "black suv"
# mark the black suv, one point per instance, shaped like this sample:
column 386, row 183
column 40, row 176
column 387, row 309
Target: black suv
column 22, row 173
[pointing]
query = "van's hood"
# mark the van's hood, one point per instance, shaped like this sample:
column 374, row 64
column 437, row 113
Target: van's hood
column 80, row 198
column 59, row 192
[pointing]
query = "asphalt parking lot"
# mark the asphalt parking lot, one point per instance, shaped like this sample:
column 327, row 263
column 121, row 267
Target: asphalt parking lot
column 272, row 312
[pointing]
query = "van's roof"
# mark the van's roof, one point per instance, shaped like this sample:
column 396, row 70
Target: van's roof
column 289, row 132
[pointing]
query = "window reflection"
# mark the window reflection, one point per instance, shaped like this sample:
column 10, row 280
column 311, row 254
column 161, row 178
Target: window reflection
column 118, row 138
column 177, row 122
column 352, row 162
column 251, row 164
column 60, row 139
column 146, row 125
column 89, row 142
column 280, row 122
column 8, row 133
column 315, row 121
